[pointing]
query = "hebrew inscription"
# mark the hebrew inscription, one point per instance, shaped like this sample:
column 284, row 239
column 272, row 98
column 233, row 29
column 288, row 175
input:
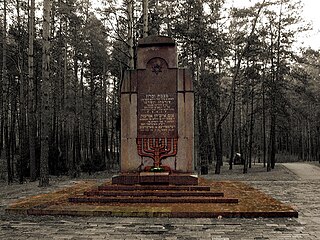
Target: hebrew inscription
column 157, row 101
column 157, row 116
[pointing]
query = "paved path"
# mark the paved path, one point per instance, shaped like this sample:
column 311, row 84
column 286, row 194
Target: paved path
column 304, row 170
column 304, row 194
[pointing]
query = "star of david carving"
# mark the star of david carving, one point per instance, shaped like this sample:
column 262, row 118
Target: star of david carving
column 156, row 68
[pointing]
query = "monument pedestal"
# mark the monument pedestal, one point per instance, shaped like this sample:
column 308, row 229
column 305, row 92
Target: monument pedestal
column 155, row 178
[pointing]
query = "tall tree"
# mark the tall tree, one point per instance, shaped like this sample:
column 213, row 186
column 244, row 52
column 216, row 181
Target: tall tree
column 45, row 92
column 6, row 95
column 145, row 18
column 23, row 142
column 32, row 95
column 256, row 14
column 130, row 11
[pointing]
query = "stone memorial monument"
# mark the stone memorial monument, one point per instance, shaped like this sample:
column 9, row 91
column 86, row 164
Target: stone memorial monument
column 157, row 114
column 156, row 156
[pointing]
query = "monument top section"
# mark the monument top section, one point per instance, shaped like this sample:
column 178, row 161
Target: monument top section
column 156, row 41
column 159, row 47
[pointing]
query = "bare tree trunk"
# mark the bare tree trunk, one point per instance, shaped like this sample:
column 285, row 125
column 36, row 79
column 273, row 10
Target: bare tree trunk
column 271, row 146
column 274, row 93
column 63, row 153
column 233, row 122
column 218, row 141
column 32, row 96
column 45, row 92
column 76, row 144
column 108, row 112
column 6, row 95
column 204, row 129
column 169, row 33
column 246, row 126
column 240, row 131
column 272, row 104
column 104, row 134
column 145, row 18
column 264, row 123
column 309, row 158
column 218, row 148
column 12, row 135
column 83, row 136
column 112, row 133
column 251, row 123
column 272, row 142
column 130, row 33
column 22, row 103
column 93, row 123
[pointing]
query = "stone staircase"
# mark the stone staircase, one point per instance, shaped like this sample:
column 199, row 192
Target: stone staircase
column 151, row 191
column 207, row 199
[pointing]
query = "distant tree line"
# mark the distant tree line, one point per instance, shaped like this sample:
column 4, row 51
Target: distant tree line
column 62, row 63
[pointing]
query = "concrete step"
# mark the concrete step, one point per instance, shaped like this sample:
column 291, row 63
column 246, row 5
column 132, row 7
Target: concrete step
column 179, row 200
column 115, row 187
column 155, row 193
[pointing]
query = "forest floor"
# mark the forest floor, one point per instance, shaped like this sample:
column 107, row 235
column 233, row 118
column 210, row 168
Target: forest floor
column 288, row 183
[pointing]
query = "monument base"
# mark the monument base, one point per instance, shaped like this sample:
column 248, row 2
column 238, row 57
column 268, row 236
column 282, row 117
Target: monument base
column 155, row 178
column 209, row 199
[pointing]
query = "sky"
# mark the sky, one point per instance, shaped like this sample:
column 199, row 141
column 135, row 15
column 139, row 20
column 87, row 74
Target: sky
column 310, row 14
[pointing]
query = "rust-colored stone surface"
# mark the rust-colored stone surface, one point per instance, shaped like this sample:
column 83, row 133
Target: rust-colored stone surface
column 251, row 203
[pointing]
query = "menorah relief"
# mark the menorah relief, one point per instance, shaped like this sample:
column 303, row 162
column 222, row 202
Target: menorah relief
column 157, row 149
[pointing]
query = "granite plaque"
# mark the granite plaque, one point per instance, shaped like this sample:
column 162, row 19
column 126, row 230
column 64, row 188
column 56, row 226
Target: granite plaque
column 157, row 101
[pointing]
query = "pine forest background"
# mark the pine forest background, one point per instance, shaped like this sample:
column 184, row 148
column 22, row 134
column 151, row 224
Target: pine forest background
column 62, row 62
